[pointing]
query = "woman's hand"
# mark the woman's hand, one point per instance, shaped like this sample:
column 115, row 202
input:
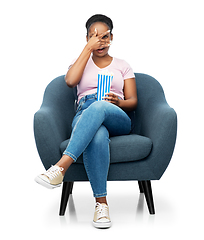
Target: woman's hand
column 98, row 41
column 112, row 98
column 130, row 96
column 95, row 42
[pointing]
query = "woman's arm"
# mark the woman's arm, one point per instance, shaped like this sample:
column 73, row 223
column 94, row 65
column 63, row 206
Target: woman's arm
column 130, row 93
column 75, row 72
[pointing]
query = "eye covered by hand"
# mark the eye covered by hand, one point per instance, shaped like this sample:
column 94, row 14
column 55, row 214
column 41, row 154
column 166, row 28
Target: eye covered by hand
column 99, row 41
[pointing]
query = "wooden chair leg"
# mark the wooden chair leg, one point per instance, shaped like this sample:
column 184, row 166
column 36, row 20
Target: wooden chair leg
column 148, row 196
column 140, row 186
column 66, row 190
column 71, row 188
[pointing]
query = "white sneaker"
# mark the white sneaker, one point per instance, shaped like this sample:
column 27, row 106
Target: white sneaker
column 101, row 216
column 52, row 178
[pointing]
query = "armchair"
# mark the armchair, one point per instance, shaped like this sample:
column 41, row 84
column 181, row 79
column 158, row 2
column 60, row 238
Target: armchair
column 143, row 155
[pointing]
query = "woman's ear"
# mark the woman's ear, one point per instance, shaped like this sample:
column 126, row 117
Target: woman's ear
column 87, row 38
column 111, row 37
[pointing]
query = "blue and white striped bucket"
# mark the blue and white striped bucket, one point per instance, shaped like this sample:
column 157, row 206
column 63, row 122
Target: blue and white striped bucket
column 104, row 84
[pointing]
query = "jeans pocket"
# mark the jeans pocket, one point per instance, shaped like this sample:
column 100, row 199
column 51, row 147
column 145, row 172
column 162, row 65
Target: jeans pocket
column 79, row 106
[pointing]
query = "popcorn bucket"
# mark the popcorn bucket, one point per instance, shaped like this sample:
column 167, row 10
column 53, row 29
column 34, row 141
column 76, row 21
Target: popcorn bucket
column 104, row 83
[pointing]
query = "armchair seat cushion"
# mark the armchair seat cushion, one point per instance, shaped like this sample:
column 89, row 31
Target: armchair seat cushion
column 126, row 148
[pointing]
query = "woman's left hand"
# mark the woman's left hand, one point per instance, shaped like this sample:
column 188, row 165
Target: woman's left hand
column 112, row 98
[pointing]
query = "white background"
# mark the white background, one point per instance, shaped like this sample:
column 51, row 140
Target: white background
column 38, row 40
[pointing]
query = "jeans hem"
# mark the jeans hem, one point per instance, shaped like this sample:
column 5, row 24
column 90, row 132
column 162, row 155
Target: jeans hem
column 100, row 195
column 70, row 155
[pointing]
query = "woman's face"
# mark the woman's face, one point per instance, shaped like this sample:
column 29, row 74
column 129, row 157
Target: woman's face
column 101, row 28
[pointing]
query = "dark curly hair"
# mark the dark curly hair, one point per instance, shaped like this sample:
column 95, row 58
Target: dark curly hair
column 99, row 18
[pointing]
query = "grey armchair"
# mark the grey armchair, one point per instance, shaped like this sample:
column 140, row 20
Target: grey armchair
column 142, row 155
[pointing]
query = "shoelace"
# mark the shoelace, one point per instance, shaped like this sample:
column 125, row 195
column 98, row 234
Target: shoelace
column 53, row 172
column 102, row 211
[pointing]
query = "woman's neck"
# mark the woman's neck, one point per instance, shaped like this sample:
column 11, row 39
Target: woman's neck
column 102, row 62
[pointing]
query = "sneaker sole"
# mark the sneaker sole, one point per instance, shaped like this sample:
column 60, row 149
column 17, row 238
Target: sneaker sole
column 46, row 184
column 102, row 225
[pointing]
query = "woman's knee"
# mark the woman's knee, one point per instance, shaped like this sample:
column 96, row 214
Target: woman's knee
column 99, row 106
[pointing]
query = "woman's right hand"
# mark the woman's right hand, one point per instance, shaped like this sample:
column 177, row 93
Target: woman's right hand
column 96, row 41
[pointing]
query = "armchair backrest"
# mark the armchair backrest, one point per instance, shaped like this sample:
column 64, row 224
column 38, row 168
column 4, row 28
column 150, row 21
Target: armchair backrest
column 59, row 97
column 150, row 94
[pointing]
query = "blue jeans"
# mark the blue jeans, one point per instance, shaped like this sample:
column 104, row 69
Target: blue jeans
column 92, row 125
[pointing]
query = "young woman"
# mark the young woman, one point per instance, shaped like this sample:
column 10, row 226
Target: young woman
column 95, row 121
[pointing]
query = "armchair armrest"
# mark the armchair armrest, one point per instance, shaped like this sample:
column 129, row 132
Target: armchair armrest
column 50, row 129
column 159, row 123
column 52, row 122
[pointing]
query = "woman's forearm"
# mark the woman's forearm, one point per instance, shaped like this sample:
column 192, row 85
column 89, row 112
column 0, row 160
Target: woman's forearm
column 128, row 105
column 75, row 72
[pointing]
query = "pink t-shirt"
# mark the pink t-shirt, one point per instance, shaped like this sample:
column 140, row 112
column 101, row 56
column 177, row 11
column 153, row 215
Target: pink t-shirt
column 118, row 69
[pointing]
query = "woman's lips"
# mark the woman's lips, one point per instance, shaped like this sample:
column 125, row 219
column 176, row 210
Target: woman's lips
column 100, row 50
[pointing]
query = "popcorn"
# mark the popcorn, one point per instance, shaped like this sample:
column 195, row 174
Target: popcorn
column 104, row 83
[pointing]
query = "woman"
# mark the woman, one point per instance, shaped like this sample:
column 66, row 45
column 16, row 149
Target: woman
column 95, row 121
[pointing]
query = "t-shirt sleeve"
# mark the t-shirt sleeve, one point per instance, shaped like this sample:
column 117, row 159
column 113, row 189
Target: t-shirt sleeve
column 127, row 71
